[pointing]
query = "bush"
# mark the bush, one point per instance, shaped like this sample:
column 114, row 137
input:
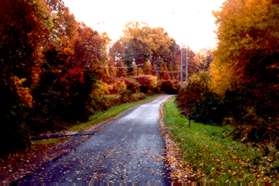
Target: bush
column 190, row 94
column 198, row 102
column 110, row 100
column 125, row 96
column 168, row 86
column 105, row 96
column 132, row 85
column 148, row 83
column 254, row 115
column 210, row 109
column 100, row 88
column 137, row 96
column 128, row 96
column 118, row 87
column 236, row 102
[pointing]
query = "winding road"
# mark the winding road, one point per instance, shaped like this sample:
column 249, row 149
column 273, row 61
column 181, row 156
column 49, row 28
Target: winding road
column 128, row 149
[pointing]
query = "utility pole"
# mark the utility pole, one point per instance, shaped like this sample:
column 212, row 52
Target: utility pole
column 181, row 63
column 186, row 65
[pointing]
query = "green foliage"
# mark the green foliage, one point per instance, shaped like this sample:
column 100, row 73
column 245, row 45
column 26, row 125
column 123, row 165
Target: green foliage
column 198, row 102
column 222, row 159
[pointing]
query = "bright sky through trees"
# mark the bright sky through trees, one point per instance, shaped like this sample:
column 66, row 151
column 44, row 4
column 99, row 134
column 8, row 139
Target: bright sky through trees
column 188, row 21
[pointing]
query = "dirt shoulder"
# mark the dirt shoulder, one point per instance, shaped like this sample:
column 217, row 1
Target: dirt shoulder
column 180, row 171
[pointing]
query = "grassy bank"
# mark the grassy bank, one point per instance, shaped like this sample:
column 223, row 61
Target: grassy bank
column 110, row 113
column 210, row 149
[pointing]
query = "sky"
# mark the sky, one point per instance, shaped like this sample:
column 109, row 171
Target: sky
column 189, row 22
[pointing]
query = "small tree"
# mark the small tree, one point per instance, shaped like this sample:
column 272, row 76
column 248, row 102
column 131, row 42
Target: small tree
column 197, row 101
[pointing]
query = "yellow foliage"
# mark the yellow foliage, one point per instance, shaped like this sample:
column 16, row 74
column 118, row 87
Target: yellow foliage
column 244, row 27
column 118, row 86
column 101, row 88
column 221, row 76
column 24, row 93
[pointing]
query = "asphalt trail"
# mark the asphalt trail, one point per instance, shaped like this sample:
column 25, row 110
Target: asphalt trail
column 126, row 150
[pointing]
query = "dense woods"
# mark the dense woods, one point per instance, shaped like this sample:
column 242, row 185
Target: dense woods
column 241, row 86
column 49, row 65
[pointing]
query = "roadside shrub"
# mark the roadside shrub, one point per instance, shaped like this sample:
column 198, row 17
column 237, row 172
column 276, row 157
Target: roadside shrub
column 118, row 87
column 168, row 86
column 148, row 83
column 132, row 85
column 190, row 93
column 111, row 100
column 137, row 96
column 210, row 109
column 125, row 96
column 235, row 103
column 198, row 102
column 254, row 115
column 98, row 100
column 100, row 88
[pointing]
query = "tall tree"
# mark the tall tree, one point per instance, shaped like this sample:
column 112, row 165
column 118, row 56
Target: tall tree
column 246, row 60
column 24, row 31
column 245, row 29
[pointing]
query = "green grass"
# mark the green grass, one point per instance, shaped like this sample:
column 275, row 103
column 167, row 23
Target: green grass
column 110, row 113
column 209, row 149
column 51, row 141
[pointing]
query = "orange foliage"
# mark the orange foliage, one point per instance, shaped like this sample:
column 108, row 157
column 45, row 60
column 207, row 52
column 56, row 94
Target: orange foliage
column 24, row 93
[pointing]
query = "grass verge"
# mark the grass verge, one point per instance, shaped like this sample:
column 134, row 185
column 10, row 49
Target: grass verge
column 108, row 114
column 209, row 149
column 51, row 141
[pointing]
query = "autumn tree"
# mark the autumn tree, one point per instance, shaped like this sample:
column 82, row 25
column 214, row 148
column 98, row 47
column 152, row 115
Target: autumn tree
column 49, row 64
column 246, row 29
column 24, row 30
column 203, row 59
column 141, row 43
column 69, row 76
column 246, row 61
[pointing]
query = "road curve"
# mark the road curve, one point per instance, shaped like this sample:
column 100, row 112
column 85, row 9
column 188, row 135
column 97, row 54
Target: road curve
column 126, row 150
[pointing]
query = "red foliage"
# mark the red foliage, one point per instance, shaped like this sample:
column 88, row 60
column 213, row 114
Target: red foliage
column 132, row 85
column 148, row 83
column 74, row 74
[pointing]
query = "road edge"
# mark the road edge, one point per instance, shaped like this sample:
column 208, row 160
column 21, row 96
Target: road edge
column 180, row 172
